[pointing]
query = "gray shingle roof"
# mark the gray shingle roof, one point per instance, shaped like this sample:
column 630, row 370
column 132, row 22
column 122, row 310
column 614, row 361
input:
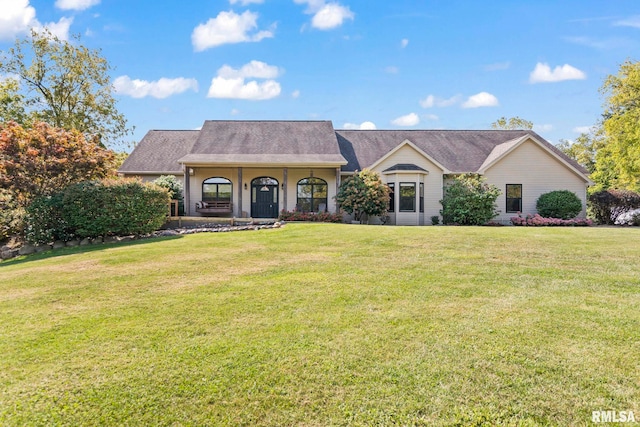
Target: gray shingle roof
column 457, row 150
column 316, row 142
column 159, row 151
column 304, row 141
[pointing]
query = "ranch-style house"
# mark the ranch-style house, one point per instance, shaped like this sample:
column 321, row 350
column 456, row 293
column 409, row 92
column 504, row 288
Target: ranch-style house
column 259, row 168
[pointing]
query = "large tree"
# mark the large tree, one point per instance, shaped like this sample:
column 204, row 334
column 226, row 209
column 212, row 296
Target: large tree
column 618, row 161
column 512, row 123
column 43, row 160
column 64, row 84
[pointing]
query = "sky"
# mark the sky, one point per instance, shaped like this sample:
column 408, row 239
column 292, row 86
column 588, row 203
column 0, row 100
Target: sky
column 362, row 64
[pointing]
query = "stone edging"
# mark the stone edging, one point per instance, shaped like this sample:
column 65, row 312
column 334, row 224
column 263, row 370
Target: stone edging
column 8, row 252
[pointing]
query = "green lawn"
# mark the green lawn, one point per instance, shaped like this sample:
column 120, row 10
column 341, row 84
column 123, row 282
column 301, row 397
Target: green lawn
column 326, row 324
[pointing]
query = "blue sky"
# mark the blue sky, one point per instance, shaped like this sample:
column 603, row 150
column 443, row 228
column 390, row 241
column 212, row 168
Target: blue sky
column 389, row 64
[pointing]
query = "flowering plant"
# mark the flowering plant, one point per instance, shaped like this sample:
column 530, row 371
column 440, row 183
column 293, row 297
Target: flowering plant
column 539, row 221
column 310, row 216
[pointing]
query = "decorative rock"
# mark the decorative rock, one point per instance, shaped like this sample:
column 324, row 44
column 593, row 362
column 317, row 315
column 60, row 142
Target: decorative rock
column 111, row 239
column 97, row 240
column 72, row 243
column 127, row 239
column 84, row 242
column 26, row 250
column 58, row 244
column 166, row 233
column 42, row 248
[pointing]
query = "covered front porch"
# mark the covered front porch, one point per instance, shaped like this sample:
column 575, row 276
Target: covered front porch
column 247, row 191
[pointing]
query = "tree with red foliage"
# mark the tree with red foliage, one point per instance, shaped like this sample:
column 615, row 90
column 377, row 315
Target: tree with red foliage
column 46, row 159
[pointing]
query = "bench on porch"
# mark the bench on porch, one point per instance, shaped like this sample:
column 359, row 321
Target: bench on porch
column 214, row 207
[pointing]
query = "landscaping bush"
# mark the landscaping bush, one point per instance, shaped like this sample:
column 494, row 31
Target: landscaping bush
column 95, row 209
column 363, row 194
column 561, row 204
column 539, row 221
column 310, row 216
column 607, row 205
column 469, row 200
column 11, row 216
column 45, row 221
column 171, row 183
column 115, row 207
column 629, row 218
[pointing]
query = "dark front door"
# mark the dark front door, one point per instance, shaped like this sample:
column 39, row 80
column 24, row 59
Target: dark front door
column 264, row 198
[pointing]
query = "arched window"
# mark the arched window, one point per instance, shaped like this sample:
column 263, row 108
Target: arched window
column 312, row 195
column 216, row 189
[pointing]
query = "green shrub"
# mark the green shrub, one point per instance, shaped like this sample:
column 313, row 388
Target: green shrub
column 11, row 216
column 94, row 209
column 171, row 183
column 561, row 204
column 45, row 222
column 363, row 194
column 115, row 207
column 605, row 206
column 469, row 200
column 435, row 220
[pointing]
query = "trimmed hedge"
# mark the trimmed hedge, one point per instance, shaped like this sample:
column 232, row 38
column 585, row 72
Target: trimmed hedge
column 94, row 209
column 607, row 205
column 310, row 216
column 562, row 204
column 539, row 221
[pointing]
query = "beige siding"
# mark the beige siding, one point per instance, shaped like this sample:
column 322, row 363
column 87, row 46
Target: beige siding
column 539, row 172
column 249, row 174
column 432, row 185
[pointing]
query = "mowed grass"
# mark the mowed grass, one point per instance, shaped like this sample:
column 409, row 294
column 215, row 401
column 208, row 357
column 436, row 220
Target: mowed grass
column 326, row 324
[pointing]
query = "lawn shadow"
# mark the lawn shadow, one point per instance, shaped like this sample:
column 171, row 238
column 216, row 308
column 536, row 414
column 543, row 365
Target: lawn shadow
column 73, row 250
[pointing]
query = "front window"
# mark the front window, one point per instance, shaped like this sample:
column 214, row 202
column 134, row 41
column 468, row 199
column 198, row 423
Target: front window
column 407, row 197
column 216, row 189
column 514, row 197
column 392, row 197
column 312, row 195
column 421, row 197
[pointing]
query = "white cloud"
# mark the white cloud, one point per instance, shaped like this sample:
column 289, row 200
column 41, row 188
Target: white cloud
column 362, row 126
column 162, row 88
column 295, row 94
column 228, row 27
column 632, row 21
column 404, row 43
column 19, row 17
column 332, row 15
column 434, row 101
column 16, row 17
column 410, row 119
column 230, row 83
column 234, row 112
column 543, row 74
column 583, row 129
column 482, row 99
column 431, row 117
column 59, row 29
column 392, row 70
column 256, row 69
column 76, row 4
column 326, row 16
column 246, row 2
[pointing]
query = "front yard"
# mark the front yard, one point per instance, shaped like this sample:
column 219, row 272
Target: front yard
column 326, row 324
